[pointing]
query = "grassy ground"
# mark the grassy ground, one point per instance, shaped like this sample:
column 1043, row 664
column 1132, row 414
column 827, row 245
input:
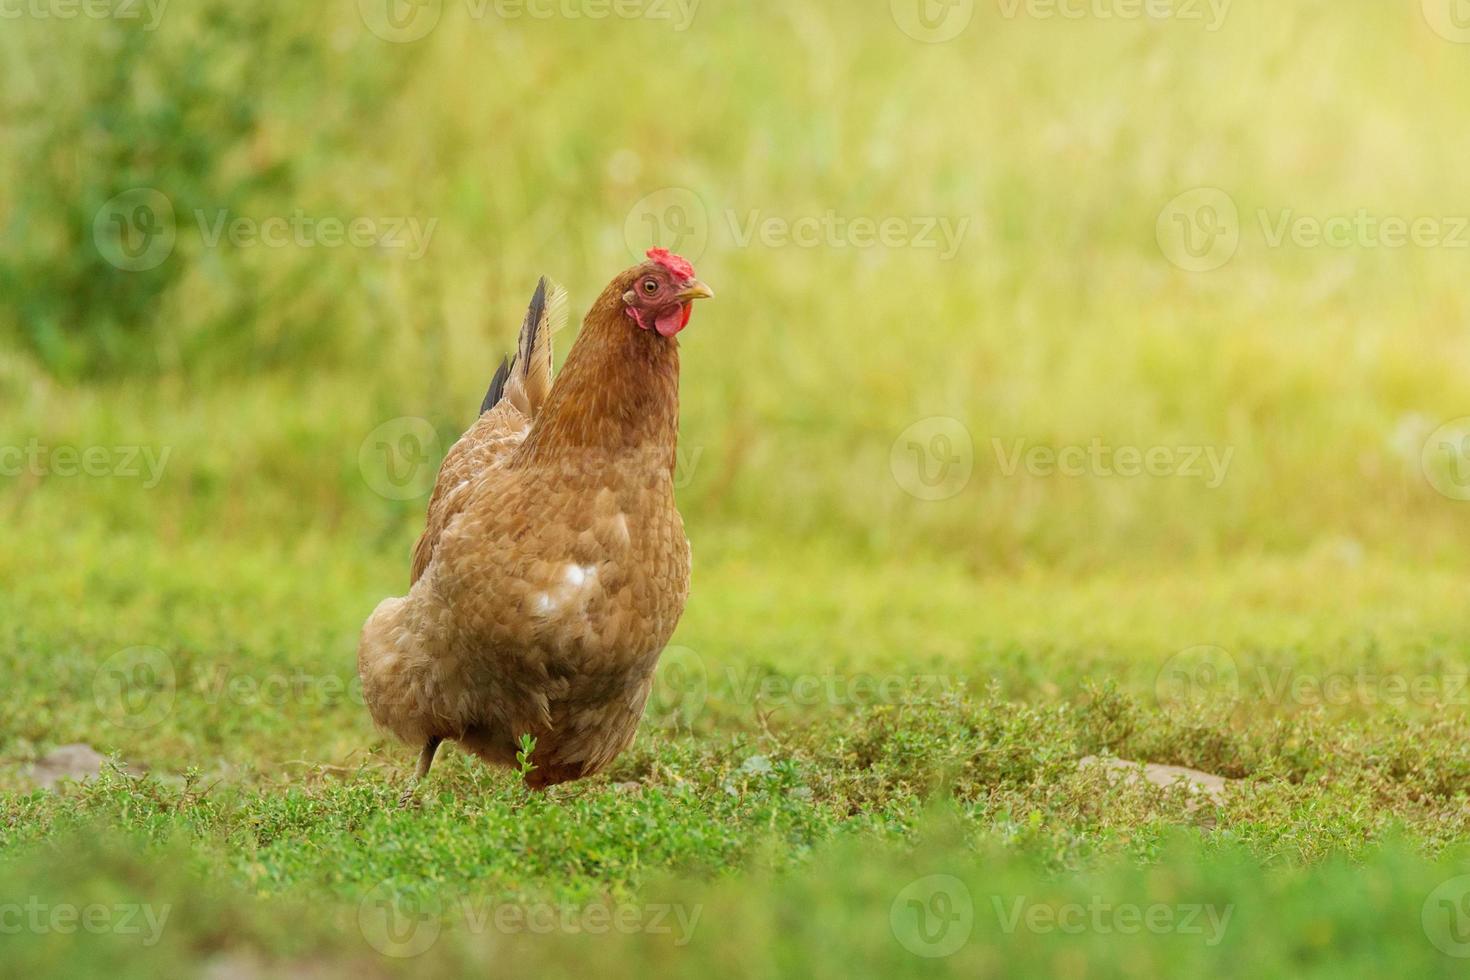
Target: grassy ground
column 863, row 756
column 781, row 784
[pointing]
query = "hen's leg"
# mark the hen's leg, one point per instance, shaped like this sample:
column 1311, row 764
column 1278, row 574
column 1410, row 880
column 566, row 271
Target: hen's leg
column 426, row 761
column 426, row 758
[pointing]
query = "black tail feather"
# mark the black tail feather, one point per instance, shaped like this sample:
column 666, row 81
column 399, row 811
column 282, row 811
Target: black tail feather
column 497, row 386
column 529, row 328
column 532, row 324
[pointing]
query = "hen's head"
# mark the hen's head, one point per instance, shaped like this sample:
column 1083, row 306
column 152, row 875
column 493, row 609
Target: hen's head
column 660, row 293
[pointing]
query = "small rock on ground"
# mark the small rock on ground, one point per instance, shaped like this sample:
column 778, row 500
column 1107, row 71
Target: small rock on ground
column 1203, row 783
column 74, row 762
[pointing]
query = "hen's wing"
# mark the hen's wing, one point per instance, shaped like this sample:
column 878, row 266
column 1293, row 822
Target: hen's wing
column 516, row 395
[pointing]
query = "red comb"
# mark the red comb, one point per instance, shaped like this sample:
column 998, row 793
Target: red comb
column 676, row 264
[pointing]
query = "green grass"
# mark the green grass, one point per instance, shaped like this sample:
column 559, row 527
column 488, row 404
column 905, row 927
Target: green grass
column 869, row 689
column 771, row 761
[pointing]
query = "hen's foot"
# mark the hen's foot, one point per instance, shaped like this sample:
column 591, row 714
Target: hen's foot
column 426, row 762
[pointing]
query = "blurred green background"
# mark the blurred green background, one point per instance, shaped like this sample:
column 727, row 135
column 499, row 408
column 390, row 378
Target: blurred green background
column 530, row 143
column 261, row 260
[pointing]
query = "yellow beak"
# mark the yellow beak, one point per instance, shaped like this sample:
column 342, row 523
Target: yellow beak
column 696, row 290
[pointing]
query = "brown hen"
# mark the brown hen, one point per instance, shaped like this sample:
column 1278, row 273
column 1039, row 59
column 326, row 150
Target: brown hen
column 553, row 567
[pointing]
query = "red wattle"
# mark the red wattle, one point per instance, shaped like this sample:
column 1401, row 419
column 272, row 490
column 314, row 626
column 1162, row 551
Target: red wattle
column 674, row 320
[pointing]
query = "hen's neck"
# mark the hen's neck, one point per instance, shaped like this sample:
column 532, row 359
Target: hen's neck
column 617, row 393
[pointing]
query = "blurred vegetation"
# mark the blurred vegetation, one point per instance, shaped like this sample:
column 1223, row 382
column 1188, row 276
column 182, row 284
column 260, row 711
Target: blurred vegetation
column 1057, row 321
column 219, row 113
column 1047, row 605
column 831, row 918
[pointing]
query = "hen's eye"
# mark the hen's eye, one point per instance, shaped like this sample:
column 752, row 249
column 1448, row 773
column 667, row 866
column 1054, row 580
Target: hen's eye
column 650, row 287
